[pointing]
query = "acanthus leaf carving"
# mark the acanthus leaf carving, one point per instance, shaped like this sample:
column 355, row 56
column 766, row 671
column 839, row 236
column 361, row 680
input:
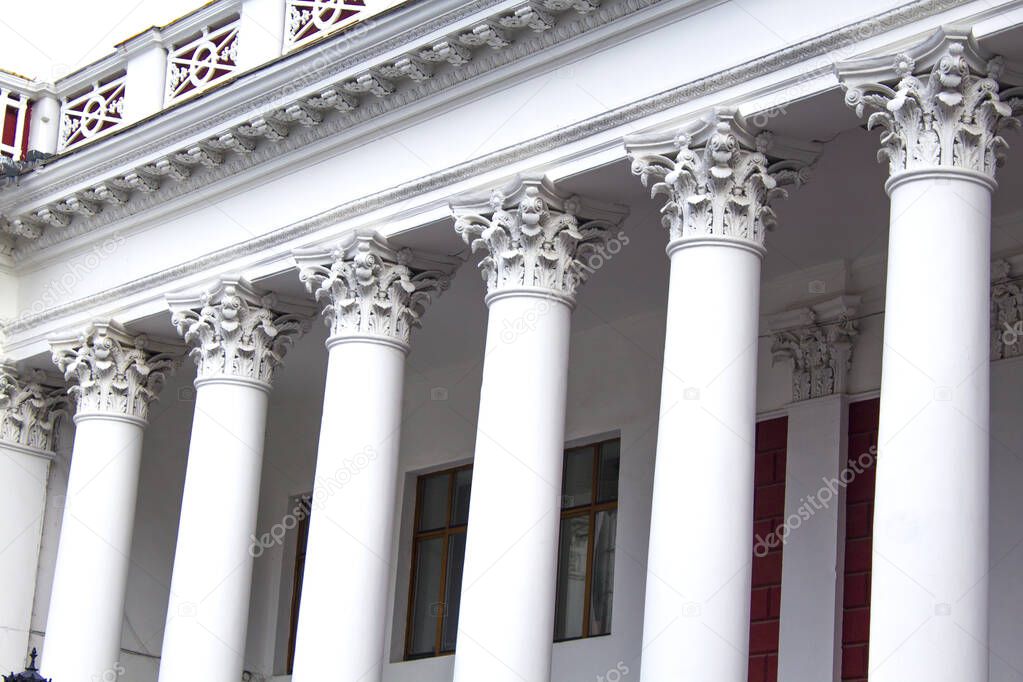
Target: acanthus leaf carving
column 368, row 288
column 236, row 330
column 111, row 371
column 29, row 408
column 534, row 237
column 821, row 356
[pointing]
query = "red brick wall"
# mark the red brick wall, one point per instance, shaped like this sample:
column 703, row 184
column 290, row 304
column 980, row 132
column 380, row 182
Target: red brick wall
column 859, row 518
column 768, row 515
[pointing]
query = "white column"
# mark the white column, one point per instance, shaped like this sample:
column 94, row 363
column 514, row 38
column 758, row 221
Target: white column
column 929, row 592
column 374, row 295
column 239, row 336
column 260, row 33
column 535, row 241
column 818, row 342
column 44, row 124
column 145, row 75
column 719, row 184
column 28, row 414
column 113, row 376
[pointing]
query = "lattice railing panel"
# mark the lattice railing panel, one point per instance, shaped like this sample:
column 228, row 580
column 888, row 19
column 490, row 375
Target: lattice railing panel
column 308, row 20
column 92, row 113
column 14, row 108
column 199, row 63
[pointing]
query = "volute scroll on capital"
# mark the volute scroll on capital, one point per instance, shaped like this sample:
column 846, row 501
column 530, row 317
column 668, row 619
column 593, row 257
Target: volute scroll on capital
column 368, row 287
column 31, row 403
column 534, row 235
column 719, row 177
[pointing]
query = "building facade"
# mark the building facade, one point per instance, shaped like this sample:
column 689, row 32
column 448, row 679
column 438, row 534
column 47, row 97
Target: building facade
column 436, row 340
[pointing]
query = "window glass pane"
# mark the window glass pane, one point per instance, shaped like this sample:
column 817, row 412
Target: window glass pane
column 603, row 577
column 460, row 503
column 433, row 501
column 568, row 615
column 607, row 471
column 577, row 487
column 426, row 600
column 453, row 590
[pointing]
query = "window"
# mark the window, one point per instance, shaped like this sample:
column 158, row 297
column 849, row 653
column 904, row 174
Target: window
column 585, row 553
column 438, row 551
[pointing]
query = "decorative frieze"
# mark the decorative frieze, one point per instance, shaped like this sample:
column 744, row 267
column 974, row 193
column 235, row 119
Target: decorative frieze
column 112, row 371
column 29, row 408
column 818, row 341
column 369, row 288
column 940, row 104
column 236, row 330
column 534, row 236
column 718, row 177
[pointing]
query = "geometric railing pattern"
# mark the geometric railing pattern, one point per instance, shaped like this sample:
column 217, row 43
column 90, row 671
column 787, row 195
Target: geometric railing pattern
column 309, row 20
column 92, row 113
column 201, row 62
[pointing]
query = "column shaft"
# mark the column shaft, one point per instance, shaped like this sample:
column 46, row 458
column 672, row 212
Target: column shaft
column 929, row 590
column 696, row 623
column 343, row 615
column 207, row 618
column 83, row 628
column 506, row 621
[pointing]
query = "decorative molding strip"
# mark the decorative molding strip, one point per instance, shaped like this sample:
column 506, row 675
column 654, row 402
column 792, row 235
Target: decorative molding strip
column 818, row 341
column 945, row 108
column 915, row 11
column 111, row 371
column 237, row 330
column 368, row 288
column 534, row 236
column 29, row 408
column 722, row 179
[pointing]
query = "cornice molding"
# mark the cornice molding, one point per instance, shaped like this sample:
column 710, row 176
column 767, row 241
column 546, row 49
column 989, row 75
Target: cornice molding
column 940, row 104
column 734, row 76
column 237, row 330
column 111, row 371
column 368, row 288
column 29, row 409
column 719, row 177
column 818, row 341
column 535, row 237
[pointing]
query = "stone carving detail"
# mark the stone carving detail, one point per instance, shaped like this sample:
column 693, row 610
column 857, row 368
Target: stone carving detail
column 236, row 330
column 945, row 108
column 534, row 237
column 719, row 178
column 819, row 345
column 29, row 409
column 369, row 288
column 1006, row 312
column 109, row 370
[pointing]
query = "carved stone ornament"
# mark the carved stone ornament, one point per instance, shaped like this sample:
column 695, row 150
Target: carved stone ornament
column 534, row 236
column 1006, row 311
column 236, row 330
column 29, row 408
column 109, row 370
column 818, row 342
column 718, row 177
column 369, row 288
column 941, row 104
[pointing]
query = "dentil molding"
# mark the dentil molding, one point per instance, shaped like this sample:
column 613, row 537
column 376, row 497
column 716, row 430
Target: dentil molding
column 940, row 104
column 29, row 408
column 534, row 236
column 112, row 371
column 818, row 341
column 369, row 288
column 719, row 178
column 237, row 330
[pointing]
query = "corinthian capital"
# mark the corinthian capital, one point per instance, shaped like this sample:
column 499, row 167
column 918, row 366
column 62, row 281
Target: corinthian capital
column 818, row 342
column 940, row 105
column 534, row 236
column 111, row 371
column 29, row 408
column 369, row 288
column 237, row 330
column 719, row 178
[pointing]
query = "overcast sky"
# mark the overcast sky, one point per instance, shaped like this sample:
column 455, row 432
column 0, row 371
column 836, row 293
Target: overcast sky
column 49, row 39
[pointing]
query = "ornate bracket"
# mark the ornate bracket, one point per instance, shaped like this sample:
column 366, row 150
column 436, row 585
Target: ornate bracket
column 534, row 236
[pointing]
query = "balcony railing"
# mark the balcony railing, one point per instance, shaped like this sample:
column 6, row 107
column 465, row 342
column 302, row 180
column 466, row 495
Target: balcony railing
column 201, row 62
column 92, row 113
column 15, row 109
